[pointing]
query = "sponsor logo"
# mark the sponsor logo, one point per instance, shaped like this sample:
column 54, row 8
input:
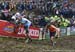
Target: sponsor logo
column 9, row 29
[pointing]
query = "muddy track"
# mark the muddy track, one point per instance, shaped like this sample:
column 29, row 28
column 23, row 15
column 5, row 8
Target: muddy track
column 64, row 44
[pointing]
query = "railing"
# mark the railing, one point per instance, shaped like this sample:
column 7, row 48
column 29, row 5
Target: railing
column 65, row 31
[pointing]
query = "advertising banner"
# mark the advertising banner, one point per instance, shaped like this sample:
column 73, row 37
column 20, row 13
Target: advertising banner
column 63, row 31
column 68, row 31
column 72, row 30
column 8, row 29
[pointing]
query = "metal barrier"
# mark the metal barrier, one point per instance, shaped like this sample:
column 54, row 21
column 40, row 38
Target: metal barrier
column 65, row 31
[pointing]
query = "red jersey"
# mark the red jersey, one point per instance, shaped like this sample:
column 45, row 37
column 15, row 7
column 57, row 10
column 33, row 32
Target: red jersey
column 51, row 28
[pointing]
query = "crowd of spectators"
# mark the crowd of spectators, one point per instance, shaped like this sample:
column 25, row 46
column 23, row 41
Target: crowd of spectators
column 40, row 13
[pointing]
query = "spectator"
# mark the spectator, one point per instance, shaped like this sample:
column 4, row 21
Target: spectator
column 5, row 15
column 20, row 7
column 5, row 5
column 42, row 21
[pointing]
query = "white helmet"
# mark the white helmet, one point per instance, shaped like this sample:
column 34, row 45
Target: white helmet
column 17, row 14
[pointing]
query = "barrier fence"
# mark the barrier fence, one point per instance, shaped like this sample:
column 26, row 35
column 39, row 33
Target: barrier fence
column 68, row 31
column 64, row 31
column 7, row 29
